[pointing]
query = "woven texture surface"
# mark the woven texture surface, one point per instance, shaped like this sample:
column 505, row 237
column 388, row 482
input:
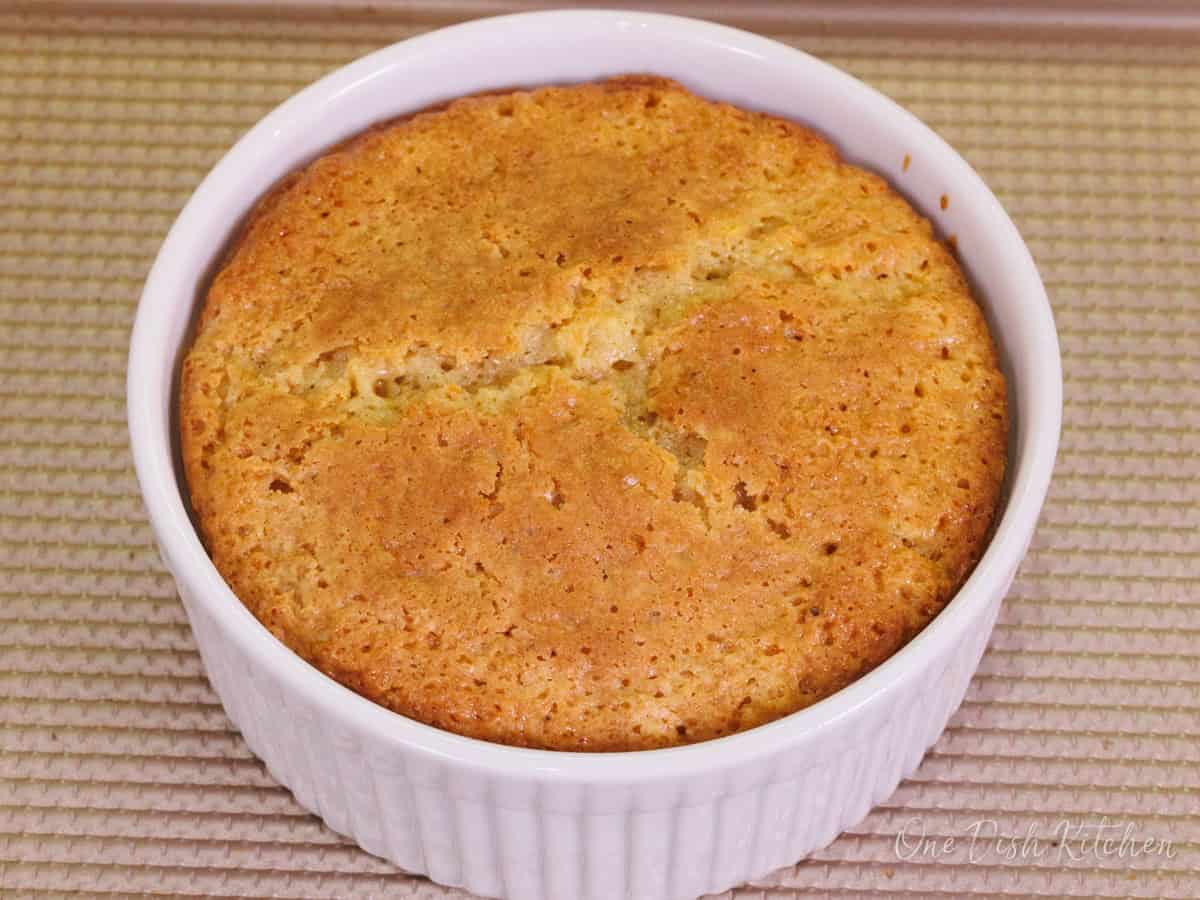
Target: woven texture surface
column 120, row 773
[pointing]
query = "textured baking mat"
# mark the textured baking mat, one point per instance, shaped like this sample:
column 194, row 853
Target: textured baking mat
column 120, row 773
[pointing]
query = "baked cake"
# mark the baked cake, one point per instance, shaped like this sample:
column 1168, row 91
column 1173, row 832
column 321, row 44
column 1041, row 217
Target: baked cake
column 601, row 417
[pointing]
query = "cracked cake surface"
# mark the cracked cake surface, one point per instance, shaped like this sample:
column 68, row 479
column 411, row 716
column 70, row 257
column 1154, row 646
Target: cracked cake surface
column 601, row 417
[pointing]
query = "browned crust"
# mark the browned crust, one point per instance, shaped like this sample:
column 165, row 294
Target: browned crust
column 602, row 417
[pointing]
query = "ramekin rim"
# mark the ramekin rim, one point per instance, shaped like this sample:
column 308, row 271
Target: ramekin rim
column 163, row 493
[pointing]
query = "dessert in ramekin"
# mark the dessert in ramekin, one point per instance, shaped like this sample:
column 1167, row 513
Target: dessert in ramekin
column 512, row 821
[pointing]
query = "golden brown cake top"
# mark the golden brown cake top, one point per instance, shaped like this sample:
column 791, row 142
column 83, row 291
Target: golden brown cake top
column 600, row 417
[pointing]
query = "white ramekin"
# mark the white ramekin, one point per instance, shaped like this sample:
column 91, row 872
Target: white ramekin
column 527, row 824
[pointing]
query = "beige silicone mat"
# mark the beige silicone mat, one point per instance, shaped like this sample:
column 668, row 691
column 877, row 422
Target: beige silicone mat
column 119, row 772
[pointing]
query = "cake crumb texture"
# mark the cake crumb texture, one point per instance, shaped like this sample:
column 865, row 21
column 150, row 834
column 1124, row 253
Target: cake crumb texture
column 602, row 417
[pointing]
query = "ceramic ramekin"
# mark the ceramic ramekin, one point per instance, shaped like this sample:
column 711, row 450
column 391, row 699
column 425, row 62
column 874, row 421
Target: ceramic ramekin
column 529, row 824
